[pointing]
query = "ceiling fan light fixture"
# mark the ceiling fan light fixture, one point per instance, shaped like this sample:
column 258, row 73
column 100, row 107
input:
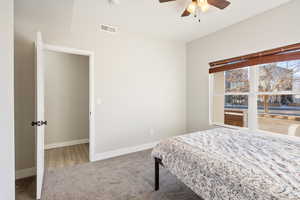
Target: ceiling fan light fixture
column 192, row 7
column 204, row 5
column 195, row 7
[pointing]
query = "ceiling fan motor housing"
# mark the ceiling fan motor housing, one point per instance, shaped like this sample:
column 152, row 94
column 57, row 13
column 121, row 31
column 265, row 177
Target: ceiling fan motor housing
column 116, row 2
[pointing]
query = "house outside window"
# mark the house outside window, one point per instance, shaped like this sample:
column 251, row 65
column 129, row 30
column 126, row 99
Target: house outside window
column 264, row 97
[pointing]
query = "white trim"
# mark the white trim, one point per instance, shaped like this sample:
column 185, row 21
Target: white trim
column 278, row 93
column 91, row 89
column 228, row 126
column 61, row 49
column 210, row 98
column 92, row 107
column 65, row 144
column 24, row 173
column 124, row 151
column 257, row 92
column 236, row 93
column 252, row 98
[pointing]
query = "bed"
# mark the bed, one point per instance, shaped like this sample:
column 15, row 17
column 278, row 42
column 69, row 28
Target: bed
column 224, row 163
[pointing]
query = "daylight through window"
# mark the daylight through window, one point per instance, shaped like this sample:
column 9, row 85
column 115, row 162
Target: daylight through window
column 265, row 97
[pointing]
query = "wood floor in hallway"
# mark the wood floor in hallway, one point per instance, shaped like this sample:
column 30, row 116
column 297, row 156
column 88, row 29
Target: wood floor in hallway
column 66, row 156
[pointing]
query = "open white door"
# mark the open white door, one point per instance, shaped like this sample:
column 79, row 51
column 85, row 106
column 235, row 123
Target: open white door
column 40, row 121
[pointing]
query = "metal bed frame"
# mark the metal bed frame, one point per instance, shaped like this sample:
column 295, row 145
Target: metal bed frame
column 158, row 162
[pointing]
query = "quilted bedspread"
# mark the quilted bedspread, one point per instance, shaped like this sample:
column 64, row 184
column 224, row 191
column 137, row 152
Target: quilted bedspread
column 223, row 163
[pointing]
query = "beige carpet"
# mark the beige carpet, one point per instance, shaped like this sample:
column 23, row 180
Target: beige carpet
column 127, row 177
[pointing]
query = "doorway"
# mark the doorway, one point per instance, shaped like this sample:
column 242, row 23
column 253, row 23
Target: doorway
column 66, row 92
column 41, row 122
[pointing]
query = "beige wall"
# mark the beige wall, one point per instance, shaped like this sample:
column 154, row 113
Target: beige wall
column 218, row 98
column 274, row 28
column 66, row 97
column 7, row 164
column 140, row 82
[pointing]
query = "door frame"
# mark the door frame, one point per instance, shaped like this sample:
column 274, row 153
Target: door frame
column 90, row 54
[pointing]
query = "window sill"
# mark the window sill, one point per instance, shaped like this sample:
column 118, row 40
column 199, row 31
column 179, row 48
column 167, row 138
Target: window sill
column 256, row 130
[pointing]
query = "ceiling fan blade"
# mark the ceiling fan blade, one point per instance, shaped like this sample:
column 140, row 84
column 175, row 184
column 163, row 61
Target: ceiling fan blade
column 219, row 3
column 163, row 1
column 185, row 13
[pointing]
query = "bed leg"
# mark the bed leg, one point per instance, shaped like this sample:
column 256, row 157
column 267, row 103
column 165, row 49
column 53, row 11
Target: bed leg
column 157, row 163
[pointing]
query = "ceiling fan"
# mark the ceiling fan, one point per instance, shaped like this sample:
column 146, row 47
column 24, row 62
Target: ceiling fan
column 201, row 5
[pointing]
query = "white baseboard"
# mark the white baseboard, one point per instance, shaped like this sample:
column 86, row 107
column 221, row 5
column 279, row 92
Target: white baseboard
column 24, row 173
column 123, row 151
column 65, row 144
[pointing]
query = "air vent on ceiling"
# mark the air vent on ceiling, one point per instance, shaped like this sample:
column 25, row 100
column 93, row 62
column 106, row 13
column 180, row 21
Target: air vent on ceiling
column 109, row 29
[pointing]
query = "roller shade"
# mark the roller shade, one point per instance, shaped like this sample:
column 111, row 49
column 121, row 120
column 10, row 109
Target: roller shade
column 286, row 53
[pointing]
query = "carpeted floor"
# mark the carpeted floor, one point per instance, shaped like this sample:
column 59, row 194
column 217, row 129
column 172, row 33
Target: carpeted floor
column 128, row 177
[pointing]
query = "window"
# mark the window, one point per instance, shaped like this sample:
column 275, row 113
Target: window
column 278, row 100
column 264, row 97
column 237, row 80
column 230, row 98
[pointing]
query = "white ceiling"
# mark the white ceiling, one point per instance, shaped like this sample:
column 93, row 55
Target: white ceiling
column 139, row 16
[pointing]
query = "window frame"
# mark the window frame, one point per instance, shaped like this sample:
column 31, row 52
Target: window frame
column 252, row 99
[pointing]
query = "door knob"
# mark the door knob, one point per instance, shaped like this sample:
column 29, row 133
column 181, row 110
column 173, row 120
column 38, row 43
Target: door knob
column 37, row 123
